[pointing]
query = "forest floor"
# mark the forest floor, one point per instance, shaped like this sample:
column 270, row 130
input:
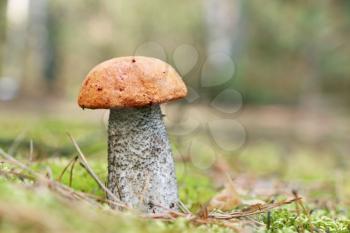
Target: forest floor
column 266, row 186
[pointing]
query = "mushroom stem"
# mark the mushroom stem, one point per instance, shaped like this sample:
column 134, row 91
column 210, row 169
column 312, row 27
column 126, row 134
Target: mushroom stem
column 140, row 164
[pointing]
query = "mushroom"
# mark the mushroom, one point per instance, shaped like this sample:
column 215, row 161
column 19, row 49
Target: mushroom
column 141, row 168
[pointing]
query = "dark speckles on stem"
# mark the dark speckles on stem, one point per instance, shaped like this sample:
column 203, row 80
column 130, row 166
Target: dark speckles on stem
column 133, row 60
column 172, row 205
column 139, row 153
column 150, row 204
column 99, row 89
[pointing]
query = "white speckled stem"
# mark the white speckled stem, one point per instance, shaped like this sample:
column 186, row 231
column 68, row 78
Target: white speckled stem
column 140, row 164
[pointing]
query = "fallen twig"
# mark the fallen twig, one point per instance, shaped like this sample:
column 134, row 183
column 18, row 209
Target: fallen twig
column 71, row 172
column 252, row 210
column 31, row 150
column 183, row 207
column 93, row 175
column 12, row 160
column 42, row 179
column 17, row 142
column 71, row 162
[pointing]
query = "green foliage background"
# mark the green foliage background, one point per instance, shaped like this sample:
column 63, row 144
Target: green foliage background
column 284, row 48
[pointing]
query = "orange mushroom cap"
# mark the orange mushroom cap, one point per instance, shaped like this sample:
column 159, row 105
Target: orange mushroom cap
column 130, row 82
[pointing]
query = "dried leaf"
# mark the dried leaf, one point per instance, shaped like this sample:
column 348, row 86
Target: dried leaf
column 203, row 212
column 226, row 200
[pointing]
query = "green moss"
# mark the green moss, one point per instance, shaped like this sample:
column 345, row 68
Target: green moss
column 286, row 220
column 36, row 209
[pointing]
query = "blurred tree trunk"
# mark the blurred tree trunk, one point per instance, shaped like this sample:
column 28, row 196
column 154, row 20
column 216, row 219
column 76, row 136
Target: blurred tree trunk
column 42, row 50
column 224, row 25
column 225, row 30
column 312, row 85
column 312, row 103
column 13, row 56
column 28, row 55
column 2, row 32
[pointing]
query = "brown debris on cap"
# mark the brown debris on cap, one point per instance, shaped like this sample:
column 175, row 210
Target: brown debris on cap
column 130, row 82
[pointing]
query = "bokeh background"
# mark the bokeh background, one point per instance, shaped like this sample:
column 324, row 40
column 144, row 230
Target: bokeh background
column 283, row 50
column 269, row 81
